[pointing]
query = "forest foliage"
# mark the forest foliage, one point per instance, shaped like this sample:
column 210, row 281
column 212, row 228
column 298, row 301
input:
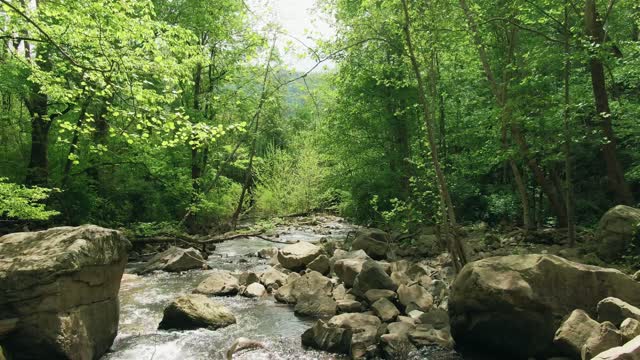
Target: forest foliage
column 183, row 112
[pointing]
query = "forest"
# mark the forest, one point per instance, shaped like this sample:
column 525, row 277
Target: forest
column 129, row 112
column 184, row 118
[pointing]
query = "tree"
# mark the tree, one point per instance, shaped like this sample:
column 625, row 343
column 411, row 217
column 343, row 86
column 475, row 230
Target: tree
column 594, row 28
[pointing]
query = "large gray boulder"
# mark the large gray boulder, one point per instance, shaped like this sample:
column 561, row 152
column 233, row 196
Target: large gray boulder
column 374, row 242
column 273, row 279
column 194, row 311
column 60, row 291
column 320, row 264
column 364, row 329
column 513, row 305
column 385, row 310
column 327, row 337
column 372, row 276
column 174, row 259
column 615, row 310
column 629, row 351
column 604, row 338
column 297, row 256
column 630, row 328
column 616, row 229
column 353, row 334
column 341, row 254
column 348, row 269
column 317, row 304
column 415, row 297
column 310, row 283
column 219, row 283
column 574, row 333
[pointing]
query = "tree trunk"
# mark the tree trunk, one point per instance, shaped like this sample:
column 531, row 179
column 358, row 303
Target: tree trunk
column 566, row 116
column 38, row 168
column 256, row 119
column 615, row 173
column 456, row 246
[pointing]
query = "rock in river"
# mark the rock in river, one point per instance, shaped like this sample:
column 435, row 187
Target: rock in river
column 174, row 259
column 194, row 311
column 219, row 283
column 512, row 305
column 297, row 256
column 61, row 285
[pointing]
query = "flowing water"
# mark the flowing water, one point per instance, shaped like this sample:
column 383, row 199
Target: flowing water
column 143, row 299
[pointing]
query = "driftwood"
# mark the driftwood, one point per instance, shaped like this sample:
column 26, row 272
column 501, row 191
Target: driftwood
column 164, row 240
column 230, row 236
column 275, row 240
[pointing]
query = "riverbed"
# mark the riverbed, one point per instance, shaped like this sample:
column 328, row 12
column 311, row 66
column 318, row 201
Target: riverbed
column 143, row 299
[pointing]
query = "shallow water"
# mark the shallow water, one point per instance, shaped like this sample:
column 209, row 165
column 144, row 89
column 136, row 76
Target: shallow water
column 143, row 299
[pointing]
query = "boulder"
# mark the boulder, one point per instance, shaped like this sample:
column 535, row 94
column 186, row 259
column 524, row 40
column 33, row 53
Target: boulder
column 395, row 346
column 374, row 242
column 364, row 330
column 424, row 335
column 385, row 310
column 273, row 279
column 415, row 297
column 400, row 278
column 297, row 256
column 328, row 337
column 247, row 278
column 255, row 290
column 339, row 292
column 629, row 351
column 615, row 310
column 268, row 253
column 320, row 264
column 629, row 329
column 437, row 318
column 348, row 269
column 316, row 304
column 400, row 266
column 418, row 270
column 601, row 340
column 59, row 296
column 513, row 305
column 372, row 276
column 195, row 311
column 341, row 254
column 348, row 306
column 174, row 259
column 636, row 276
column 574, row 333
column 310, row 283
column 374, row 295
column 616, row 230
column 219, row 283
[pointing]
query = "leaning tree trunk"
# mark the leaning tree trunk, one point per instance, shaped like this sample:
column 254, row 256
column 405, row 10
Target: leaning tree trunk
column 615, row 174
column 456, row 245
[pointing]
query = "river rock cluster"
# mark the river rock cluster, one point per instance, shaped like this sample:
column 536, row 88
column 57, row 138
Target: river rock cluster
column 367, row 306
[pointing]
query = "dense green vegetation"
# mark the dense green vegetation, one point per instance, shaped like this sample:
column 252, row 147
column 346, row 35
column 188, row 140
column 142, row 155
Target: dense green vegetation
column 515, row 112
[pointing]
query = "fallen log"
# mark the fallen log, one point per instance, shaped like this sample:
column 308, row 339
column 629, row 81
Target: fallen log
column 230, row 236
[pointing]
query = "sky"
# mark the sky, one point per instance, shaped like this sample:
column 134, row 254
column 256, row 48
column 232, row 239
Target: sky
column 301, row 20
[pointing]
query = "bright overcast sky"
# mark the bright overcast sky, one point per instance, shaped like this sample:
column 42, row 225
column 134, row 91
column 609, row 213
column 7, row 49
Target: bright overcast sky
column 301, row 20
